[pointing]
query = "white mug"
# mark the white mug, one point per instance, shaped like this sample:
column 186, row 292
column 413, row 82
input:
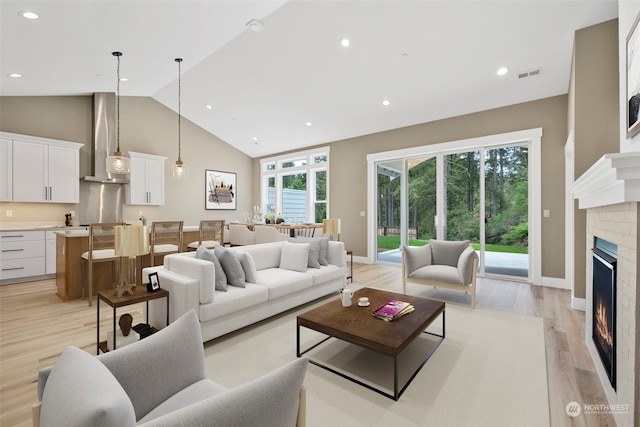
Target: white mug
column 347, row 294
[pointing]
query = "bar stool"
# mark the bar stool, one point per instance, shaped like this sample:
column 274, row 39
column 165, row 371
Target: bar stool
column 102, row 248
column 211, row 234
column 166, row 238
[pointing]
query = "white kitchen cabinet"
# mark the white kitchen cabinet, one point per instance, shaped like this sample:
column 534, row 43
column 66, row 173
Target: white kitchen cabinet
column 45, row 170
column 146, row 180
column 6, row 170
column 50, row 252
column 22, row 255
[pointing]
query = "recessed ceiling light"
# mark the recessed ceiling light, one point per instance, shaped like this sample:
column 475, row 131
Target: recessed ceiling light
column 309, row 124
column 14, row 75
column 255, row 138
column 502, row 71
column 386, row 102
column 345, row 42
column 27, row 14
column 208, row 107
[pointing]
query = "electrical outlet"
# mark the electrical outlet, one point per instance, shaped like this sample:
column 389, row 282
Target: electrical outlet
column 361, row 213
column 9, row 213
column 546, row 213
column 139, row 214
column 73, row 214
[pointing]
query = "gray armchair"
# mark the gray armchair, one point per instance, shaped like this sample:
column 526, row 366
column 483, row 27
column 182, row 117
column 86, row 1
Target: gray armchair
column 443, row 264
column 160, row 381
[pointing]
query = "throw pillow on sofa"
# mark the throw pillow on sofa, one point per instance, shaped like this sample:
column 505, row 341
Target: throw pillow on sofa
column 231, row 265
column 314, row 250
column 295, row 256
column 249, row 266
column 209, row 255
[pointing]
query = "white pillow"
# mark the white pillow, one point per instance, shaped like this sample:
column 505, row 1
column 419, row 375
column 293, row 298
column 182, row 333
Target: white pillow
column 294, row 256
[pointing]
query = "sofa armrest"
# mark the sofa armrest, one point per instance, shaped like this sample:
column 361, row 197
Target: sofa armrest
column 336, row 254
column 201, row 270
column 466, row 264
column 184, row 295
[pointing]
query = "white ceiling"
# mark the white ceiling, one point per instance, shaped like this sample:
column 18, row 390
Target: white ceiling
column 431, row 59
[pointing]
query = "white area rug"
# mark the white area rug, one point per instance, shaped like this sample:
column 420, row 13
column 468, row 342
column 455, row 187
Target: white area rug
column 489, row 371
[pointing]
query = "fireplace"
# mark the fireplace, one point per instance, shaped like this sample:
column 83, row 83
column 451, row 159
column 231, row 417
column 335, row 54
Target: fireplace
column 604, row 305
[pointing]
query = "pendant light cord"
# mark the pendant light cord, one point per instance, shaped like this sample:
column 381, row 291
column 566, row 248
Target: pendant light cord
column 118, row 55
column 179, row 61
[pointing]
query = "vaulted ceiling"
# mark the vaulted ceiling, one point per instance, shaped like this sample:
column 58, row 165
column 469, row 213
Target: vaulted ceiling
column 292, row 84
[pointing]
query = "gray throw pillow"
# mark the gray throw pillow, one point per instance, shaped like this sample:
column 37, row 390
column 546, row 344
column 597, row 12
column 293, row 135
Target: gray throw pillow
column 314, row 250
column 324, row 248
column 81, row 391
column 231, row 265
column 208, row 255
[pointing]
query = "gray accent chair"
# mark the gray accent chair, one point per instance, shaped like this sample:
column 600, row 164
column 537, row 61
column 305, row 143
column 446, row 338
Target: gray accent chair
column 443, row 264
column 160, row 381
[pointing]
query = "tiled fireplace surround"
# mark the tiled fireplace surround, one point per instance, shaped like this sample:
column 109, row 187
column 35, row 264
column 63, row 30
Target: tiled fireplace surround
column 618, row 224
column 610, row 193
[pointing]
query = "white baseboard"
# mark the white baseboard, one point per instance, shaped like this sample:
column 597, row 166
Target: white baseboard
column 579, row 304
column 553, row 282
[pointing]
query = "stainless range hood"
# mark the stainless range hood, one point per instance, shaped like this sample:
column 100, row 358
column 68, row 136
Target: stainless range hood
column 104, row 137
column 101, row 194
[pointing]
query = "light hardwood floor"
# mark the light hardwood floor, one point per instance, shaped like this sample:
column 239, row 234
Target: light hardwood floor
column 35, row 326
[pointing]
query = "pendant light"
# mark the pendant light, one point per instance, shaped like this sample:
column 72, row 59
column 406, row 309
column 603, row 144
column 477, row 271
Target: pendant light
column 118, row 164
column 180, row 170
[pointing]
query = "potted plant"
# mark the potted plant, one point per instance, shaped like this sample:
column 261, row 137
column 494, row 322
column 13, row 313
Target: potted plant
column 268, row 218
column 279, row 219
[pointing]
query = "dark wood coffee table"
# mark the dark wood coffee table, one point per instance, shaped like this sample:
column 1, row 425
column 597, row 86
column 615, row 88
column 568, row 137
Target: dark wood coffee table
column 357, row 325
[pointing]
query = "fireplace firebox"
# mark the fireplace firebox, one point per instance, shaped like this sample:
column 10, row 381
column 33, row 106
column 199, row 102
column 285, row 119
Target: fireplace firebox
column 604, row 305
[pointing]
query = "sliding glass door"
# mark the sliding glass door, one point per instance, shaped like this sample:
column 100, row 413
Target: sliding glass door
column 478, row 195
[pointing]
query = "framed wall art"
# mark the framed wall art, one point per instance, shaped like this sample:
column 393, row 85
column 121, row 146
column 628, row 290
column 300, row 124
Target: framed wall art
column 633, row 79
column 220, row 190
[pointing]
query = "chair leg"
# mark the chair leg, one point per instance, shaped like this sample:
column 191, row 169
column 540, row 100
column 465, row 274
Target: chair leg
column 90, row 282
column 84, row 279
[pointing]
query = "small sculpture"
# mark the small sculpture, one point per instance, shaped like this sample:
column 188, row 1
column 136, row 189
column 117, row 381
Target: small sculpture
column 125, row 322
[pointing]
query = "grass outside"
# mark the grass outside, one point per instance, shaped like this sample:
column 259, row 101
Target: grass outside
column 393, row 242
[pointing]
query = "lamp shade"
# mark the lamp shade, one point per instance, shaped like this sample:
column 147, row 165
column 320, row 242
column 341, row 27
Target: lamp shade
column 331, row 226
column 132, row 240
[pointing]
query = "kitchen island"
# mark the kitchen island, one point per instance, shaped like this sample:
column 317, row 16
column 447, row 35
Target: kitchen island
column 71, row 244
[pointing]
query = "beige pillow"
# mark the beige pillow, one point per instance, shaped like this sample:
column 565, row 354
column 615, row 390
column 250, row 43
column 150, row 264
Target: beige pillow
column 294, row 256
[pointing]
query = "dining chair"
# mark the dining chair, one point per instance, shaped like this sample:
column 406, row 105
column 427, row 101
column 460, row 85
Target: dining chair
column 102, row 248
column 211, row 234
column 166, row 238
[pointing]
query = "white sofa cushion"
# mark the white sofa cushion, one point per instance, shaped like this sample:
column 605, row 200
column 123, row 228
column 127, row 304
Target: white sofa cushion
column 235, row 299
column 281, row 282
column 325, row 274
column 314, row 250
column 265, row 255
column 248, row 265
column 295, row 256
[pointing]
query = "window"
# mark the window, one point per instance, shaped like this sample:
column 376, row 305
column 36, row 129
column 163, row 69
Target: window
column 296, row 186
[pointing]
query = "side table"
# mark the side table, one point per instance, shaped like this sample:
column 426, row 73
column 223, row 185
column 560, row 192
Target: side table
column 139, row 295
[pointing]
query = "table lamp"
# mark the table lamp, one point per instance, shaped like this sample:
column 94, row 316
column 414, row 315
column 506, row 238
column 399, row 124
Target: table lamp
column 131, row 241
column 331, row 226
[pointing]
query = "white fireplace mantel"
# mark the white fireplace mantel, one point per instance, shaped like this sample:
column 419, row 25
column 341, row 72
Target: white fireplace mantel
column 614, row 178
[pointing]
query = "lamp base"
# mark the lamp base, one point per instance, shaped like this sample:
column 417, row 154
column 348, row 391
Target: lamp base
column 124, row 287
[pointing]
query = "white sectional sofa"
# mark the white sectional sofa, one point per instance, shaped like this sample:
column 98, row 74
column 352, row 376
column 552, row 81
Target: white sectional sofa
column 279, row 285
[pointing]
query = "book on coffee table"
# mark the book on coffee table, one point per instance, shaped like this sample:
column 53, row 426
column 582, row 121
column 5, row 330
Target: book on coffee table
column 393, row 309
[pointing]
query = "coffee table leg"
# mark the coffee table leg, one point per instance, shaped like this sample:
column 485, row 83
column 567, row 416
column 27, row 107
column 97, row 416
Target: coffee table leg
column 395, row 378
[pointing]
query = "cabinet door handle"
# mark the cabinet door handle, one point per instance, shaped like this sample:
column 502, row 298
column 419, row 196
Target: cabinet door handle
column 13, row 236
column 50, row 193
column 14, row 268
column 12, row 250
